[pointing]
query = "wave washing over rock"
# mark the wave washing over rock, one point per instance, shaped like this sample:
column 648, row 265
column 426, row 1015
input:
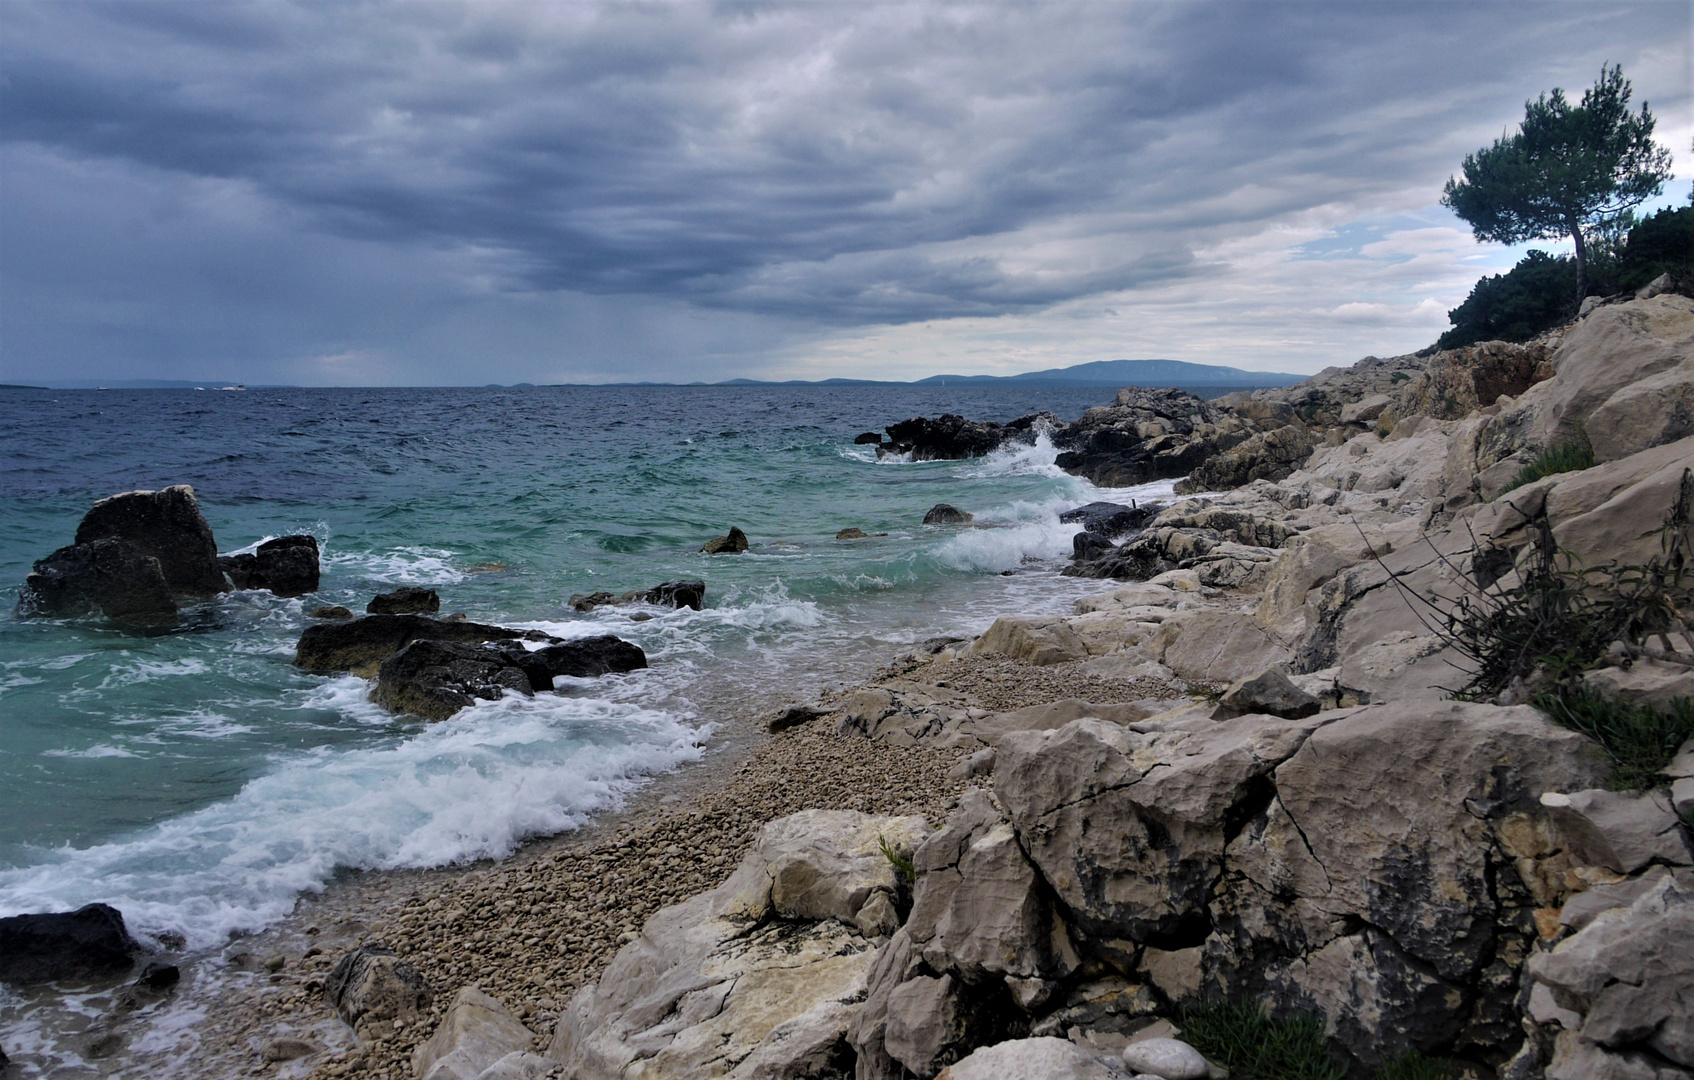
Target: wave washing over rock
column 1218, row 776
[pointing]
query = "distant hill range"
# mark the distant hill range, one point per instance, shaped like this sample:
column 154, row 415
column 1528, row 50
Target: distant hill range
column 1112, row 373
column 1152, row 373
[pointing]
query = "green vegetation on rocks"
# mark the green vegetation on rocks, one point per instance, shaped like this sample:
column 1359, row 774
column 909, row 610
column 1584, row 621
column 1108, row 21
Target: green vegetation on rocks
column 1639, row 739
column 1573, row 455
column 1238, row 1034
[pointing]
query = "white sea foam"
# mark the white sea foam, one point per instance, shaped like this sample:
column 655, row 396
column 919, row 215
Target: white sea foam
column 402, row 566
column 100, row 751
column 471, row 787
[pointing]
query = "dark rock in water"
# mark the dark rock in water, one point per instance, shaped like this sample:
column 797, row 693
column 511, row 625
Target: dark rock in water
column 371, row 984
column 1147, row 435
column 854, row 533
column 330, row 611
column 587, row 658
column 108, row 577
column 359, row 645
column 951, row 437
column 158, row 975
column 407, row 600
column 943, row 514
column 1133, row 560
column 733, row 544
column 677, row 594
column 60, row 947
column 1269, row 455
column 868, row 438
column 287, row 566
column 793, row 717
column 1087, row 545
column 167, row 525
column 435, row 679
column 4, row 1060
column 1111, row 520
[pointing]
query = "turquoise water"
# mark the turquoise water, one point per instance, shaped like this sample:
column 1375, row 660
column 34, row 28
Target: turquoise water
column 200, row 782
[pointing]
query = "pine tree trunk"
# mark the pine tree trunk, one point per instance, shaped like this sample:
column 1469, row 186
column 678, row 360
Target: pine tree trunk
column 1581, row 261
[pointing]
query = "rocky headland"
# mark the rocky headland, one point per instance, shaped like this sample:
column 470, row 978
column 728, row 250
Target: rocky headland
column 1377, row 738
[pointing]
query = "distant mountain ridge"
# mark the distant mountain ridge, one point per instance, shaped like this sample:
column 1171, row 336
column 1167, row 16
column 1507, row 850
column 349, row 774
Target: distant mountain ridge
column 1151, row 373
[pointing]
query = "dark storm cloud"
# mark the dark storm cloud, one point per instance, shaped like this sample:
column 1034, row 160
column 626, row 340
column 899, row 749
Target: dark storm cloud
column 826, row 164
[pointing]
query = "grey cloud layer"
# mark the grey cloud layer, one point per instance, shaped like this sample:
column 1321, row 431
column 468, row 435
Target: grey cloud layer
column 837, row 164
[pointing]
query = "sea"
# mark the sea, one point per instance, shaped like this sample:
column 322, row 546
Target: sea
column 201, row 783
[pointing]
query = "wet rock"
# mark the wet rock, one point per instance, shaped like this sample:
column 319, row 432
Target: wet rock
column 1268, row 455
column 476, row 1032
column 1170, row 1059
column 1033, row 1059
column 333, row 612
column 733, row 544
column 406, row 600
column 1086, row 546
column 1147, row 435
column 868, row 438
column 580, row 658
column 1111, row 520
column 287, row 566
column 944, row 514
column 372, row 985
column 952, row 437
column 1271, row 692
column 853, row 533
column 360, row 645
column 435, row 679
column 88, row 942
column 158, row 976
column 677, row 594
column 114, row 578
column 166, row 524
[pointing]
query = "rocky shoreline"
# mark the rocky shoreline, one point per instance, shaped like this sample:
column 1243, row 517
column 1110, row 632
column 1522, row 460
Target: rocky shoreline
column 1238, row 774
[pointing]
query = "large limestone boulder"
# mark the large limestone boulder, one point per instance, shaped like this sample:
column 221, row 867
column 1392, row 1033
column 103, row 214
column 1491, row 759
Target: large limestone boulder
column 1218, row 646
column 1370, row 887
column 167, row 525
column 737, row 982
column 825, row 864
column 1129, row 828
column 1623, row 990
column 476, row 1033
column 1035, row 1059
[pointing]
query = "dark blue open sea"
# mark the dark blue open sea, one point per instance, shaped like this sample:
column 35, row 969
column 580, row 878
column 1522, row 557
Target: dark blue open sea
column 200, row 782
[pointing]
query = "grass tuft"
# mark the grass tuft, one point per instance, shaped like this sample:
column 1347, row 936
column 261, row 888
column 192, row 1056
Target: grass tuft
column 1254, row 1047
column 904, row 868
column 1639, row 739
column 1415, row 1066
column 1571, row 456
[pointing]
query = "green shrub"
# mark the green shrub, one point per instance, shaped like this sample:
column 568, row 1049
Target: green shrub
column 904, row 868
column 1537, row 294
column 1663, row 243
column 1573, row 455
column 1639, row 739
column 1415, row 1066
column 1238, row 1035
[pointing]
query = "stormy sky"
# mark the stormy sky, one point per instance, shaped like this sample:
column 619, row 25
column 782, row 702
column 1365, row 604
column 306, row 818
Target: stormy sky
column 446, row 193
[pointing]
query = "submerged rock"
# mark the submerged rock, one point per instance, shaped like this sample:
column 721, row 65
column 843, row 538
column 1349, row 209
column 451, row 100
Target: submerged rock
column 952, row 437
column 167, row 525
column 62, row 946
column 852, row 533
column 733, row 544
column 407, row 600
column 287, row 566
column 108, row 577
column 435, row 679
column 333, row 612
column 945, row 514
column 677, row 594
